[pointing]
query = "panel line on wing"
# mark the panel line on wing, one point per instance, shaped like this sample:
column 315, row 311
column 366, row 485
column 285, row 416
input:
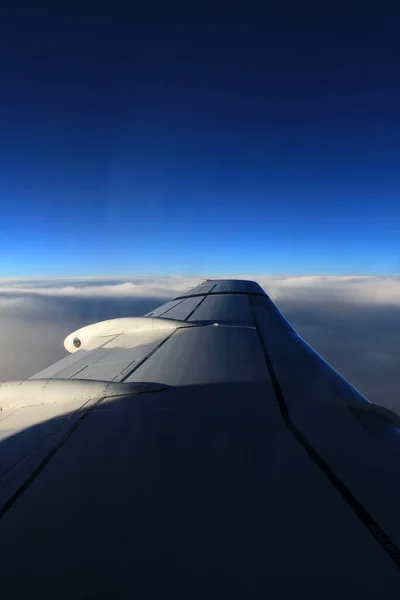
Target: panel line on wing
column 201, row 301
column 67, row 418
column 27, row 483
column 171, row 307
column 139, row 363
column 359, row 510
column 221, row 294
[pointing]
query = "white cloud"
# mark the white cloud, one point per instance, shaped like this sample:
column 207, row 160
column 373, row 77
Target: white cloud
column 345, row 288
column 353, row 288
column 160, row 287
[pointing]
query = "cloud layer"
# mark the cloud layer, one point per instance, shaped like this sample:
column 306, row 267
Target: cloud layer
column 353, row 321
column 349, row 288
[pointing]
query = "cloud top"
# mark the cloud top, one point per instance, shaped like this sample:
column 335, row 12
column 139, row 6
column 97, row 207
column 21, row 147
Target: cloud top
column 346, row 288
column 314, row 288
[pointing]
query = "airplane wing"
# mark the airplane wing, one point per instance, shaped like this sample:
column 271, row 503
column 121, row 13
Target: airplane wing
column 201, row 451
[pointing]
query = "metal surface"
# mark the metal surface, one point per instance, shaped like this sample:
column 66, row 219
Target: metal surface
column 96, row 334
column 161, row 310
column 225, row 308
column 207, row 354
column 225, row 286
column 237, row 286
column 360, row 463
column 183, row 309
column 194, row 492
column 38, row 392
column 259, row 472
column 115, row 344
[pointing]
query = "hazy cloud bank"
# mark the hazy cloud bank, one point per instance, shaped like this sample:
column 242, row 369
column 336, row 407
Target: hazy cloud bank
column 345, row 288
column 161, row 287
column 348, row 288
column 353, row 321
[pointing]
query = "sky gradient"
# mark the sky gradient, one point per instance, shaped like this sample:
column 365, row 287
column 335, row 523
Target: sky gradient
column 130, row 149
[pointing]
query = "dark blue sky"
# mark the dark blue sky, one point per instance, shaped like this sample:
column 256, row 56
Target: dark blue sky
column 218, row 149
